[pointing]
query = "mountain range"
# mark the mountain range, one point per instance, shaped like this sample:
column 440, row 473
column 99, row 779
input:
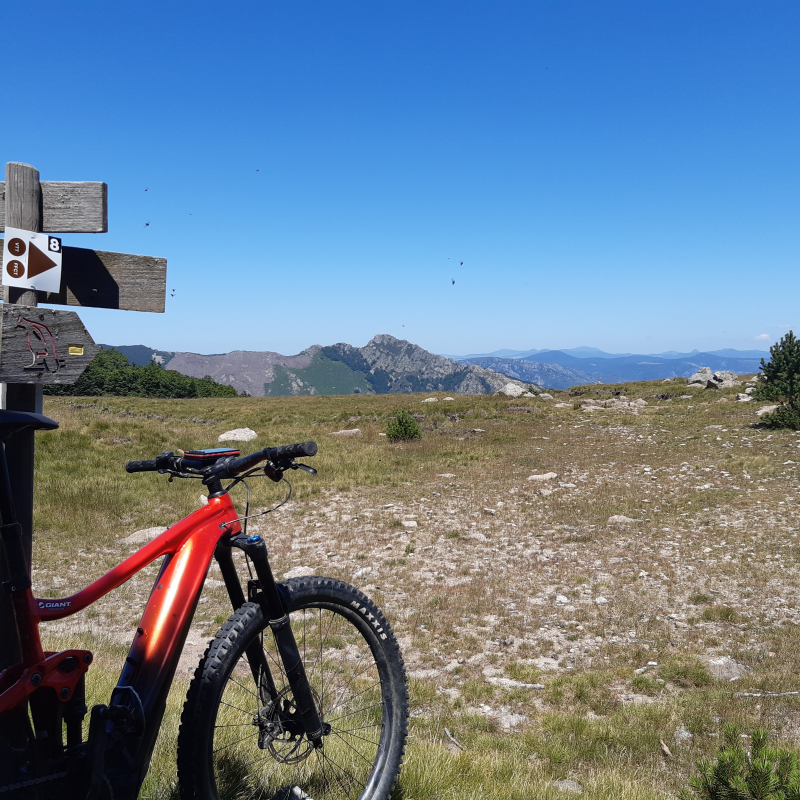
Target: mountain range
column 611, row 368
column 384, row 365
column 389, row 365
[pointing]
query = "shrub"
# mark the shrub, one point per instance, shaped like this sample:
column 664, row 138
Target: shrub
column 781, row 382
column 403, row 427
column 764, row 774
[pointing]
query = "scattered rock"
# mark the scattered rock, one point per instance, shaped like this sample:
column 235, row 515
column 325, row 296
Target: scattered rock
column 544, row 492
column 512, row 390
column 562, row 405
column 477, row 430
column 238, row 435
column 568, row 786
column 144, row 535
column 682, row 735
column 490, row 511
column 448, row 399
column 510, row 683
column 560, row 598
column 299, row 572
column 509, row 721
column 349, row 432
column 546, row 476
column 600, row 601
column 431, row 400
column 765, row 410
column 545, row 396
column 620, row 519
column 474, row 537
column 445, row 475
column 409, row 523
column 743, row 398
column 724, row 667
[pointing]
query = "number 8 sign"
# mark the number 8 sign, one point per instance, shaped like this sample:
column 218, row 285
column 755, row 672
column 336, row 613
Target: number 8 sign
column 32, row 260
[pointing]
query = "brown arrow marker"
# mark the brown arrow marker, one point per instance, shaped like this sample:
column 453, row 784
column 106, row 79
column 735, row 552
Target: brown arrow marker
column 38, row 262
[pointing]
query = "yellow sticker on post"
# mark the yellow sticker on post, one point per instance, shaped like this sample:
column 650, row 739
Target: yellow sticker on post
column 32, row 260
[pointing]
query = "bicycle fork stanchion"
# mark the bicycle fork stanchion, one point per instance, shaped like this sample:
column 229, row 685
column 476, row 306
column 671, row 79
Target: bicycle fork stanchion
column 256, row 657
column 278, row 617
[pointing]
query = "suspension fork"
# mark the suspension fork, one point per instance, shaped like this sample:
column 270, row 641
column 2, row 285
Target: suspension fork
column 278, row 617
column 256, row 657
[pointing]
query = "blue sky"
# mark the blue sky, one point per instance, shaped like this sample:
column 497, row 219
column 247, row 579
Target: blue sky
column 618, row 174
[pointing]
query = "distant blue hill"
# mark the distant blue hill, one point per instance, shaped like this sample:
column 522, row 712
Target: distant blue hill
column 617, row 369
column 593, row 352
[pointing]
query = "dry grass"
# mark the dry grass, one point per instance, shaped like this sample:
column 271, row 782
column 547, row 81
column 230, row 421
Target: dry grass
column 500, row 584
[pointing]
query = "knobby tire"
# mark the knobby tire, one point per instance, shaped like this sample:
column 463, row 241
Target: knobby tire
column 356, row 672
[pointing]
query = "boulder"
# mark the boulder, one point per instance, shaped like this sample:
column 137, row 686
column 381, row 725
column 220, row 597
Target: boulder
column 725, row 379
column 349, row 432
column 765, row 410
column 238, row 435
column 431, row 400
column 702, row 376
column 743, row 398
column 512, row 390
column 545, row 396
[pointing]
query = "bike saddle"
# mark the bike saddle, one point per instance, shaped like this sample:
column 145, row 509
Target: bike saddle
column 12, row 422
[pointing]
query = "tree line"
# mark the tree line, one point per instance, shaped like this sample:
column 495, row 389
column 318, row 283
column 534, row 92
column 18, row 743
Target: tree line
column 112, row 373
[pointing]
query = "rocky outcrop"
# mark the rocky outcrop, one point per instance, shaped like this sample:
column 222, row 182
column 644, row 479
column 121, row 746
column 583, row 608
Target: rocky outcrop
column 393, row 365
column 705, row 379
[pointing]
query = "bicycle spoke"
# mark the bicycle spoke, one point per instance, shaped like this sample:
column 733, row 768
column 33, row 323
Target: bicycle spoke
column 224, row 747
column 358, row 710
column 346, row 682
column 240, row 710
column 351, row 747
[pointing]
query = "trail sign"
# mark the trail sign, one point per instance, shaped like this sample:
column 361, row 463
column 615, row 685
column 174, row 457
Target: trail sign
column 43, row 345
column 32, row 260
column 39, row 346
column 100, row 279
column 69, row 206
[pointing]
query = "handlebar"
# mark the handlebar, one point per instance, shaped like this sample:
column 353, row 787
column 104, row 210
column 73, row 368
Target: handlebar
column 141, row 466
column 227, row 467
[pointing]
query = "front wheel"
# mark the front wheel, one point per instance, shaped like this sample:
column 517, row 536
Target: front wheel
column 240, row 736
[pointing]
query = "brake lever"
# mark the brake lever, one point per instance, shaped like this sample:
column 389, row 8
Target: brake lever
column 304, row 467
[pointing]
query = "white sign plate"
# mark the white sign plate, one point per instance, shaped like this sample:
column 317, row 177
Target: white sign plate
column 32, row 260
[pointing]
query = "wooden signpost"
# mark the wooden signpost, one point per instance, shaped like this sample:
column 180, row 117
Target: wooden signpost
column 39, row 346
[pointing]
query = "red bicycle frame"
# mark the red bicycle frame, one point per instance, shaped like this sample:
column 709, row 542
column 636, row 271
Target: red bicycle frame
column 45, row 691
column 188, row 547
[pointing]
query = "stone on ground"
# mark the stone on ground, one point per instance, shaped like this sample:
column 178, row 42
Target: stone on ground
column 299, row 572
column 144, row 535
column 238, row 435
column 349, row 432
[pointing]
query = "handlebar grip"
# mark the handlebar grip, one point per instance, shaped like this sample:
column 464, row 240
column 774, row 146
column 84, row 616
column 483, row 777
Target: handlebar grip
column 141, row 466
column 290, row 451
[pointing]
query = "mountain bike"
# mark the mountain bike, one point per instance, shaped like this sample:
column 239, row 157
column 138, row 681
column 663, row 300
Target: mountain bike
column 301, row 694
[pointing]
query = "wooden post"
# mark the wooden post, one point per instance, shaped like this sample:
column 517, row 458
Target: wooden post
column 23, row 210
